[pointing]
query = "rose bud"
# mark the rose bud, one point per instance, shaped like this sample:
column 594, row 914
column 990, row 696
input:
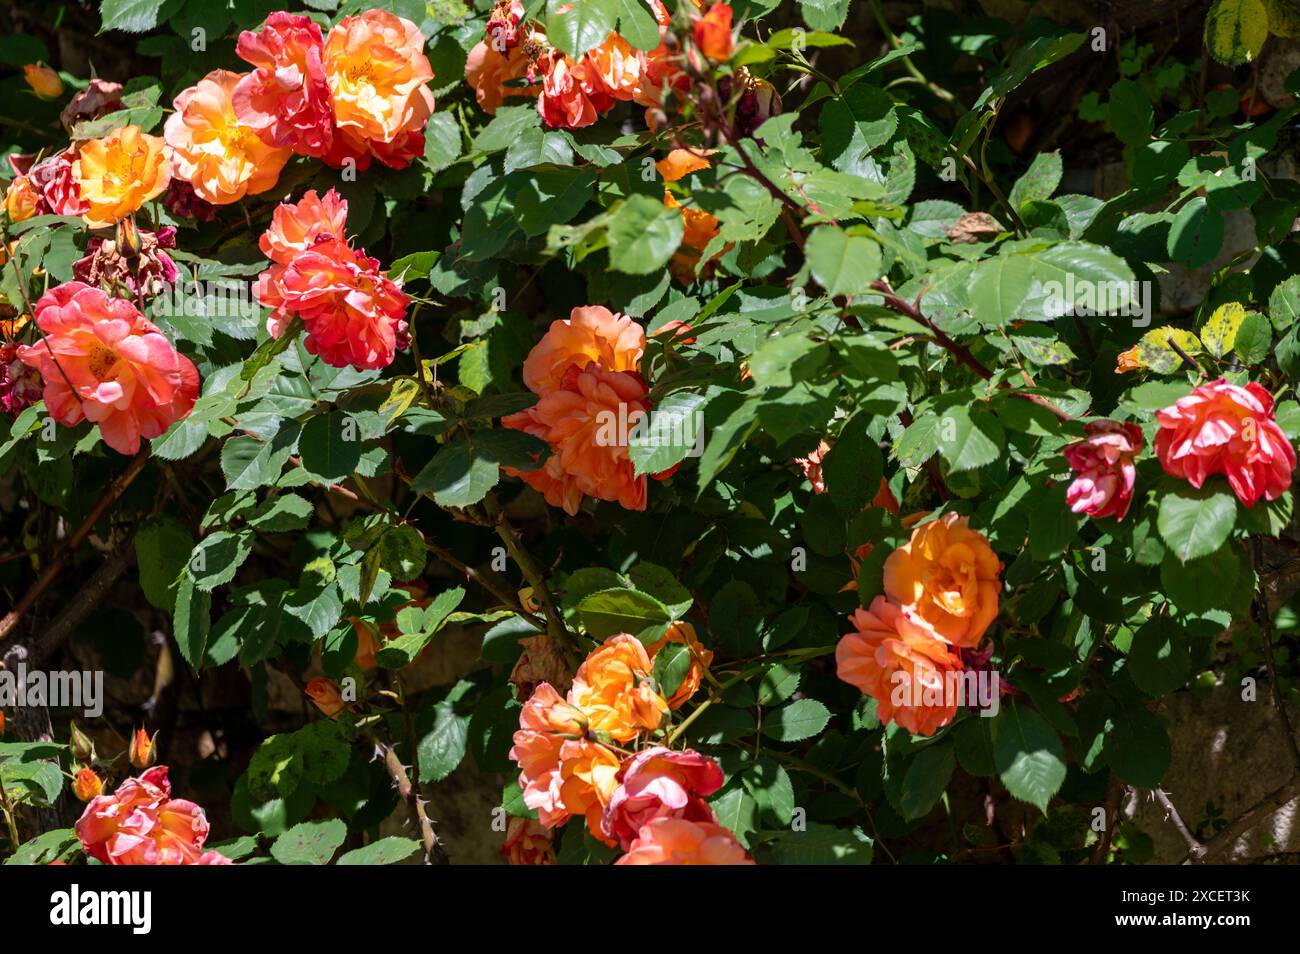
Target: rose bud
column 87, row 785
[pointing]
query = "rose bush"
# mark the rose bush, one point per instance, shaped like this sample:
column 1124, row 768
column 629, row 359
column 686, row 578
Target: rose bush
column 798, row 457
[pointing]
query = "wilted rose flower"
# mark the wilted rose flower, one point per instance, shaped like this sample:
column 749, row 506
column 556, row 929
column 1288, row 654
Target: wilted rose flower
column 1221, row 428
column 183, row 202
column 99, row 97
column 20, row 385
column 141, row 824
column 1104, row 469
column 676, row 841
column 660, row 783
column 539, row 662
column 54, row 180
column 115, row 368
column 503, row 24
column 147, row 273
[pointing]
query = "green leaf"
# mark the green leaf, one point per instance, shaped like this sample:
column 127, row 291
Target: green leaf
column 218, row 557
column 402, row 553
column 801, row 719
column 576, row 26
column 843, row 264
column 823, row 845
column 607, row 612
column 1236, row 30
column 1131, row 114
column 1195, row 523
column 643, row 235
column 969, row 438
column 1157, row 658
column 769, row 783
column 671, row 665
column 130, row 16
column 162, row 548
column 385, row 851
column 330, row 447
column 1196, row 234
column 310, row 843
column 1028, row 755
column 927, row 775
column 672, row 431
column 443, row 733
column 457, row 477
column 1039, row 181
column 191, row 620
column 1137, row 747
column 442, row 141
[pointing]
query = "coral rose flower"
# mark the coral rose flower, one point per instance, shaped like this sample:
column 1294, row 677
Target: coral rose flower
column 1223, row 429
column 683, row 633
column 590, row 335
column 1104, row 469
column 887, row 653
column 141, row 824
column 286, row 99
column 618, row 68
column 119, row 173
column 102, row 361
column 352, row 313
column 324, row 693
column 545, row 722
column 712, row 33
column 579, row 420
column 613, row 686
column 295, row 227
column 676, row 841
column 946, row 579
column 222, row 158
column 22, row 201
column 588, row 777
column 377, row 71
column 661, row 783
column 528, row 843
column 565, row 99
column 490, row 74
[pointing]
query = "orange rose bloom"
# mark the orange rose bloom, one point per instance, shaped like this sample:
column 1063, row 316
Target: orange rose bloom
column 946, row 578
column 44, row 82
column 86, row 785
column 489, row 72
column 527, row 843
column 590, row 335
column 680, row 163
column 325, row 694
column 377, row 71
column 888, row 654
column 588, row 778
column 589, row 457
column 21, row 202
column 119, row 173
column 676, row 841
column 684, row 634
column 295, row 227
column 103, row 362
column 613, row 687
column 712, row 33
column 616, row 66
column 211, row 150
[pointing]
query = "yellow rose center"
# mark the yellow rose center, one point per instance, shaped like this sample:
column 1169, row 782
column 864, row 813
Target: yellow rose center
column 102, row 361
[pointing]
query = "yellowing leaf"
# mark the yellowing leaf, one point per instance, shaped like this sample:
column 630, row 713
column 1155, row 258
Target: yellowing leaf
column 1235, row 30
column 1220, row 332
column 1156, row 351
column 1283, row 17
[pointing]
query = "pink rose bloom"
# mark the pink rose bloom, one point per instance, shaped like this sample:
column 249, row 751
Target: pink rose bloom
column 286, row 99
column 1223, row 429
column 141, row 824
column 102, row 361
column 545, row 723
column 676, row 841
column 661, row 783
column 52, row 178
column 1104, row 470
